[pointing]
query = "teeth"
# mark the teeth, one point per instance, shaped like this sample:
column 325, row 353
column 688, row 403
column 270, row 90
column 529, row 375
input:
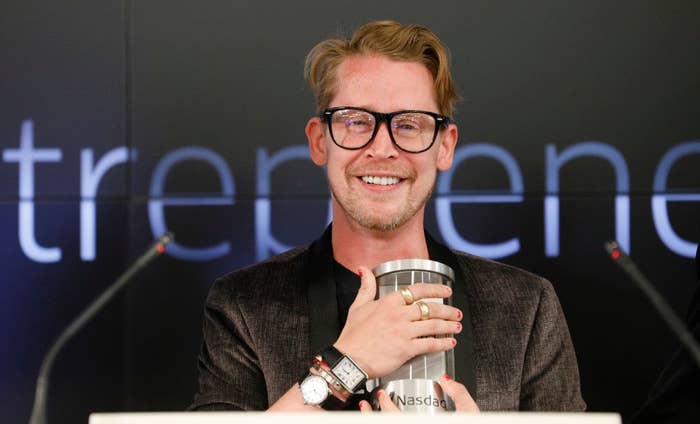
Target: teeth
column 380, row 180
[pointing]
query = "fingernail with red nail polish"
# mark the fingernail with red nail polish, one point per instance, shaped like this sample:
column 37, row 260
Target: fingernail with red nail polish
column 454, row 342
column 459, row 327
column 447, row 377
column 359, row 272
column 379, row 394
column 459, row 314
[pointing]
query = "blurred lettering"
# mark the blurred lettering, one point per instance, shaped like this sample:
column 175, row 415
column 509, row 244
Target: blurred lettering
column 25, row 156
column 158, row 201
column 267, row 244
column 660, row 198
column 89, row 182
column 551, row 201
column 443, row 203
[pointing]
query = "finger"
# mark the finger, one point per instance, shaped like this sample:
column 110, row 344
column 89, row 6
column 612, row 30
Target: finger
column 368, row 288
column 365, row 406
column 423, row 291
column 434, row 327
column 459, row 394
column 437, row 311
column 423, row 345
column 385, row 402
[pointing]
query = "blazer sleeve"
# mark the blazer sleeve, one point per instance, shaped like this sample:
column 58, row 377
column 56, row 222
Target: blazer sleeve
column 550, row 378
column 230, row 377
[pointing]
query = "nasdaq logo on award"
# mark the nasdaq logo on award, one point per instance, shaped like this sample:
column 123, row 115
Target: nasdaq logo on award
column 28, row 155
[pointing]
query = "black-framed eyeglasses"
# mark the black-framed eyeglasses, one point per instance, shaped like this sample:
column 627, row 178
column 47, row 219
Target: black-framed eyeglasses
column 413, row 131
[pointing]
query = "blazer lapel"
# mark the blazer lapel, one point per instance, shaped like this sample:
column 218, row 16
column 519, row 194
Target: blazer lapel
column 323, row 303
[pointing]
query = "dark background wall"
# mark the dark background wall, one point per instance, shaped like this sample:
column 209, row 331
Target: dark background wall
column 141, row 80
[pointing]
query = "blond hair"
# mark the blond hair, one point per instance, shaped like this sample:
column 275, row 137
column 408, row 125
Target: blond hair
column 414, row 43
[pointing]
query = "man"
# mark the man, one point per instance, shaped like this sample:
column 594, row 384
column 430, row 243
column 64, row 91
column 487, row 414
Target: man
column 385, row 98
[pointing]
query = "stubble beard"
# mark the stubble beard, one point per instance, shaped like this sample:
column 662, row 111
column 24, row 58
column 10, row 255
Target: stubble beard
column 352, row 206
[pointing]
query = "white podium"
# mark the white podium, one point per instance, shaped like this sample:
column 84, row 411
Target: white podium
column 353, row 418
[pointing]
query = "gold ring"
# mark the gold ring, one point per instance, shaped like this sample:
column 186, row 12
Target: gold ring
column 407, row 295
column 424, row 310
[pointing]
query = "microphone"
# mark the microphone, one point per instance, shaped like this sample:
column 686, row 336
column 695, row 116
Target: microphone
column 679, row 329
column 39, row 409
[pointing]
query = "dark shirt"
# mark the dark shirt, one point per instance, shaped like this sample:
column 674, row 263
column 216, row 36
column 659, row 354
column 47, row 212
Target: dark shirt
column 347, row 283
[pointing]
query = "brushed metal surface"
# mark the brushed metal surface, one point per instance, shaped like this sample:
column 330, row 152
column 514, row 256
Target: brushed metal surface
column 413, row 386
column 413, row 265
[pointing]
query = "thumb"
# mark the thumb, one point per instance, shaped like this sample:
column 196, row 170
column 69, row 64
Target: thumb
column 368, row 288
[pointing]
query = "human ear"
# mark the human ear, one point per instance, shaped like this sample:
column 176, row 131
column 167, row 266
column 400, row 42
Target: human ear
column 317, row 141
column 446, row 147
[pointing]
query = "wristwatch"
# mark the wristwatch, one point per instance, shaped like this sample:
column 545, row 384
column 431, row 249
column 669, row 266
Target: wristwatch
column 345, row 369
column 316, row 392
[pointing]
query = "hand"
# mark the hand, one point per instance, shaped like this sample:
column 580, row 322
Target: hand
column 381, row 335
column 457, row 391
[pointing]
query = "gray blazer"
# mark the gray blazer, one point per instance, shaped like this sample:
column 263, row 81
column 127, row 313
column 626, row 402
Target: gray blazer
column 263, row 323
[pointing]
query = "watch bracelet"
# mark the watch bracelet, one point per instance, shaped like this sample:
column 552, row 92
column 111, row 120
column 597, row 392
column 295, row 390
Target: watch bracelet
column 332, row 380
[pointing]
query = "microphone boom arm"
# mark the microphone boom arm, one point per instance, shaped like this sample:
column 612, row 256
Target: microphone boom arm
column 39, row 408
column 665, row 310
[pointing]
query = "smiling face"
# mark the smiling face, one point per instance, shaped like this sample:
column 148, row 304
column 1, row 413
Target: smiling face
column 381, row 187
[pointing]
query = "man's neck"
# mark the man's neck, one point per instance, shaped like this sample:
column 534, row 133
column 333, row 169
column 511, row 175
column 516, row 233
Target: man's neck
column 355, row 246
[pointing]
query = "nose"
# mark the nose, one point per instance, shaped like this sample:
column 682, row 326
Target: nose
column 382, row 146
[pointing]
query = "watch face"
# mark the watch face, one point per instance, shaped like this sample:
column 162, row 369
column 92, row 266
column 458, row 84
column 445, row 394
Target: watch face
column 314, row 390
column 348, row 373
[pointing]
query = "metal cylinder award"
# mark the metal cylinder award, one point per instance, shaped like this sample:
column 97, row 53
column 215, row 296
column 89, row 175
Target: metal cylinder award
column 414, row 386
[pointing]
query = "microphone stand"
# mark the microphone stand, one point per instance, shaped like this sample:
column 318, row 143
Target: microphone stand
column 677, row 326
column 39, row 409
